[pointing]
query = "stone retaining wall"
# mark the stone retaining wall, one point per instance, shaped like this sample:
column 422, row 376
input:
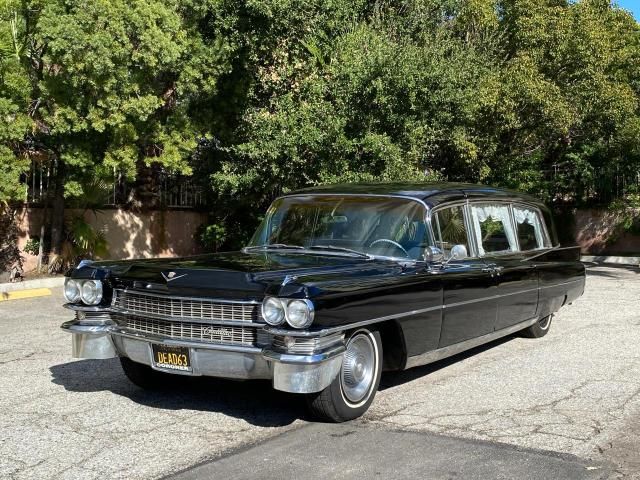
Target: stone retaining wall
column 597, row 234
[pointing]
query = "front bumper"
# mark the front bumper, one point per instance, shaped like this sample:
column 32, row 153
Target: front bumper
column 289, row 372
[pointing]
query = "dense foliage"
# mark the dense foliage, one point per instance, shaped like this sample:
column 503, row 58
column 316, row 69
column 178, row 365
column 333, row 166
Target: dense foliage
column 256, row 97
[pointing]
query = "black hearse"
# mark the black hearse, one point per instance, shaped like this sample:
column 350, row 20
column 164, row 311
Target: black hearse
column 338, row 283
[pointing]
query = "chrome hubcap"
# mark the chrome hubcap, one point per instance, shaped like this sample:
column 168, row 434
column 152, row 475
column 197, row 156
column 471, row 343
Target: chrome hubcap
column 544, row 322
column 358, row 368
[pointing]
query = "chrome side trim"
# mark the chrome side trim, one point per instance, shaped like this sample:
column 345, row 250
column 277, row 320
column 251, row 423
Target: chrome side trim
column 563, row 283
column 342, row 328
column 491, row 297
column 450, row 350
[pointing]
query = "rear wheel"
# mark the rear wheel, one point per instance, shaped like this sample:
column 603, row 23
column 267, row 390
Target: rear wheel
column 143, row 375
column 538, row 329
column 354, row 388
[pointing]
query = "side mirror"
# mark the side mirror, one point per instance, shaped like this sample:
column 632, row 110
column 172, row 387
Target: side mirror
column 458, row 252
column 433, row 254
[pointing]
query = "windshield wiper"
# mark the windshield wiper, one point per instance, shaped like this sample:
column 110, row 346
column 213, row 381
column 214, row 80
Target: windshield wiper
column 332, row 248
column 275, row 246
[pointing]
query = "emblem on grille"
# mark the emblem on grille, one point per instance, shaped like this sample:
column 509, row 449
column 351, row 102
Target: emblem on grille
column 172, row 276
column 216, row 331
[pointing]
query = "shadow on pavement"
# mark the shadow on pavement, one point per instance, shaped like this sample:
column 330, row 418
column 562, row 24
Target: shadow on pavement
column 253, row 401
column 393, row 379
column 612, row 271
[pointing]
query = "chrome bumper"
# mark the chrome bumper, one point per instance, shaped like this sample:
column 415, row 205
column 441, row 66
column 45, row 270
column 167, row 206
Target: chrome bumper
column 293, row 373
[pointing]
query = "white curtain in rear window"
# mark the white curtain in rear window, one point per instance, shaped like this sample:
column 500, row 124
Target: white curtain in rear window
column 480, row 214
column 525, row 215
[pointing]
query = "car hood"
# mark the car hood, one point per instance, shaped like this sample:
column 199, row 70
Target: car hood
column 238, row 275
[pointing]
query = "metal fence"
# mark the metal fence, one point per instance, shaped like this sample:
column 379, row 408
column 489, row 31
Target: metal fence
column 602, row 189
column 169, row 191
column 180, row 192
column 37, row 182
column 607, row 188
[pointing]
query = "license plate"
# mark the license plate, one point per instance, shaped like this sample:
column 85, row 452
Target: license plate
column 173, row 358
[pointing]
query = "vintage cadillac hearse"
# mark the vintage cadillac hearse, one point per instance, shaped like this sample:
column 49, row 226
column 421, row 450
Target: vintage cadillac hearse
column 338, row 283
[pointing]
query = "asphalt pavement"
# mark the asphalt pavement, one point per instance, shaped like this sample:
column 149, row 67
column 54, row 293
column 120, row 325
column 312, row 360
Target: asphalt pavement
column 349, row 451
column 565, row 406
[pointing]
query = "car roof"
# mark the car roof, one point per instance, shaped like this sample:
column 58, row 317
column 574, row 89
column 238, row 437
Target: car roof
column 431, row 193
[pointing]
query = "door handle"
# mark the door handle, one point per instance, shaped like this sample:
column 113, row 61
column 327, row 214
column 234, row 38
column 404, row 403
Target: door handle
column 493, row 269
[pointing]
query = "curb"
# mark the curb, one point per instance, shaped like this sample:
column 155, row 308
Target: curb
column 613, row 260
column 25, row 293
column 32, row 284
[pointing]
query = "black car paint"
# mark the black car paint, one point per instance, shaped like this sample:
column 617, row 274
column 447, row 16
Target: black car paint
column 433, row 305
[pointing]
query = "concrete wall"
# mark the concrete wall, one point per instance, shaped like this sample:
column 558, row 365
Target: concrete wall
column 129, row 235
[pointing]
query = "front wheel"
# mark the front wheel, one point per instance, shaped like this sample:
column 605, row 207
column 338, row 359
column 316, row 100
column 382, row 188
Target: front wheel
column 352, row 391
column 144, row 376
column 538, row 329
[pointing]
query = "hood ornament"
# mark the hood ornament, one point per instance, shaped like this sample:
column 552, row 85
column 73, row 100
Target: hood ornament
column 171, row 276
column 288, row 279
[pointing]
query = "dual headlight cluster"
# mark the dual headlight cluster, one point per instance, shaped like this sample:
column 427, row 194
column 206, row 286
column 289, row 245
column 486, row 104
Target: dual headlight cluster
column 89, row 291
column 297, row 313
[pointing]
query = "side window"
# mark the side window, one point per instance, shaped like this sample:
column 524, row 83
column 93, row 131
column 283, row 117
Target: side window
column 529, row 228
column 493, row 229
column 449, row 229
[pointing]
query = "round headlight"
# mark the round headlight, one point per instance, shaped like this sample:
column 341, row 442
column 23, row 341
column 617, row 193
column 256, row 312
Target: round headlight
column 91, row 292
column 300, row 313
column 71, row 290
column 272, row 311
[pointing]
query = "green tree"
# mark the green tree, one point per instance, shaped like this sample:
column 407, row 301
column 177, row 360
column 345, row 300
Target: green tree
column 93, row 88
column 539, row 95
column 569, row 96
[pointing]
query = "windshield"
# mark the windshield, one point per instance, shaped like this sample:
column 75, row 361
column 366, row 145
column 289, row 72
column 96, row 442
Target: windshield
column 357, row 225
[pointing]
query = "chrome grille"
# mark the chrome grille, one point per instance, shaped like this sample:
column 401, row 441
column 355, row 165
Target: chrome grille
column 145, row 304
column 245, row 336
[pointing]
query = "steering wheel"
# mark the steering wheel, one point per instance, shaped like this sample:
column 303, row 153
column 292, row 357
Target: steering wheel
column 392, row 242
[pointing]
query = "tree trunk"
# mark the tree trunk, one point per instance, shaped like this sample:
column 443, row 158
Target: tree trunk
column 42, row 234
column 57, row 213
column 44, row 221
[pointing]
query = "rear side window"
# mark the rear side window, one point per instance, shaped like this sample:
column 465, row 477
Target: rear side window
column 529, row 228
column 493, row 228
